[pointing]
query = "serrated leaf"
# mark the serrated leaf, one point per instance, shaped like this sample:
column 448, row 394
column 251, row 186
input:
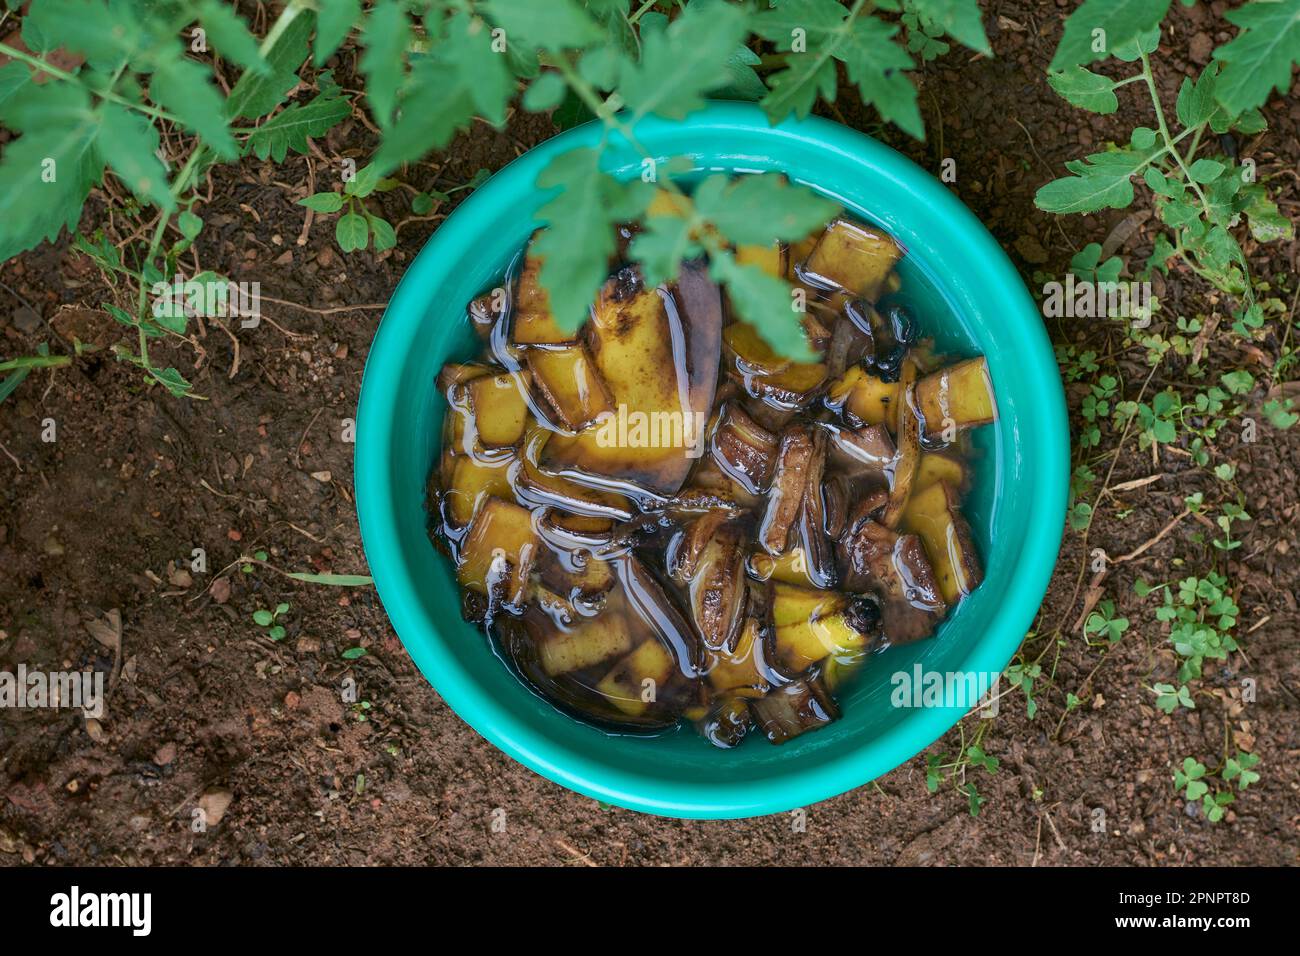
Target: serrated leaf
column 386, row 36
column 1099, row 181
column 820, row 25
column 764, row 301
column 323, row 202
column 1121, row 20
column 1259, row 59
column 351, row 232
column 46, row 174
column 292, row 126
column 228, row 33
column 461, row 77
column 683, row 62
column 106, row 37
column 743, row 82
column 1196, row 103
column 256, row 94
column 128, row 143
column 334, row 20
column 578, row 239
column 1085, row 89
column 795, row 89
column 960, row 19
column 876, row 65
column 16, row 79
column 661, row 246
column 762, row 208
column 554, row 25
column 184, row 88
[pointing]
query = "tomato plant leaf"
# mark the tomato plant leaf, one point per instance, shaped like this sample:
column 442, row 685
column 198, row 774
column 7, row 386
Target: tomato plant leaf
column 1102, row 27
column 1260, row 58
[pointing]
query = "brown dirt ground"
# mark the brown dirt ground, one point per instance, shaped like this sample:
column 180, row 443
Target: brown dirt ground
column 206, row 703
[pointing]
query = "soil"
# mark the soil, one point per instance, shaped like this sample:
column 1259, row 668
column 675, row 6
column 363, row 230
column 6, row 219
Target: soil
column 205, row 709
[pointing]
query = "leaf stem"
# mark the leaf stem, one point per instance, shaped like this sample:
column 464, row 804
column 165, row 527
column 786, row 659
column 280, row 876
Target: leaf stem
column 67, row 77
column 1169, row 140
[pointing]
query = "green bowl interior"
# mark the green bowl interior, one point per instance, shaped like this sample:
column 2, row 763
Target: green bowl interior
column 964, row 292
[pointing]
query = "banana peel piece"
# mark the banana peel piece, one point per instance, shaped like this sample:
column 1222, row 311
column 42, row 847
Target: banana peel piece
column 656, row 351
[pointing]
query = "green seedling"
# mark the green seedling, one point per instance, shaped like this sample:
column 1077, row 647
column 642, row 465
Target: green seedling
column 269, row 619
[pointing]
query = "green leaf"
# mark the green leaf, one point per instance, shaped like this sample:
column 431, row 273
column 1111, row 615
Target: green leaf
column 1260, row 58
column 1121, row 21
column 189, row 224
column 545, row 92
column 682, row 63
column 127, row 143
column 185, row 88
column 579, row 238
column 256, row 94
column 795, row 89
column 171, row 380
column 323, row 202
column 353, row 653
column 108, row 37
column 263, row 618
column 334, row 20
column 554, row 25
column 291, row 127
column 16, row 80
column 351, row 231
column 229, row 35
column 1196, row 103
column 1143, row 137
column 743, row 82
column 661, row 246
column 807, row 75
column 1085, row 89
column 276, row 633
column 876, row 65
column 1267, row 224
column 1206, row 170
column 462, row 76
column 382, row 230
column 46, row 173
column 386, row 36
column 1238, row 382
column 1100, row 181
column 336, row 580
column 364, row 182
column 960, row 19
column 762, row 208
column 421, row 203
column 764, row 301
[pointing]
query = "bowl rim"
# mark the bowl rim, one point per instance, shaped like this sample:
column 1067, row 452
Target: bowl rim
column 377, row 432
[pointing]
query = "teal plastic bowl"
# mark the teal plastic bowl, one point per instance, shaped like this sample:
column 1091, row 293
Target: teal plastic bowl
column 965, row 292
